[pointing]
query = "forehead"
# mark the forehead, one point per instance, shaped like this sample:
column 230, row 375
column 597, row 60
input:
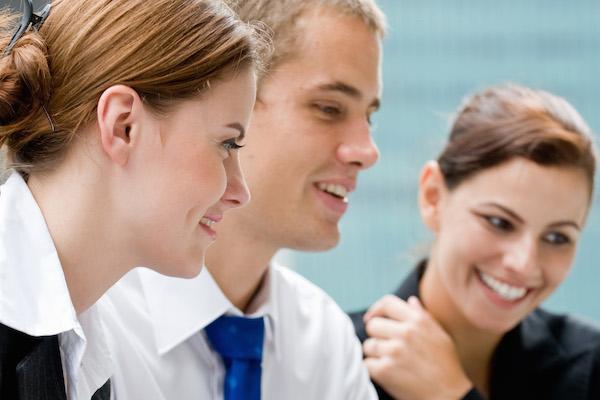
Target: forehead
column 332, row 47
column 529, row 189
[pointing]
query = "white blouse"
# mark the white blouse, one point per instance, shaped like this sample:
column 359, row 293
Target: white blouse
column 34, row 297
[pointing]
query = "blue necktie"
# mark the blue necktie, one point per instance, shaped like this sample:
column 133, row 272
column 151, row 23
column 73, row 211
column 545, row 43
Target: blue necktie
column 239, row 341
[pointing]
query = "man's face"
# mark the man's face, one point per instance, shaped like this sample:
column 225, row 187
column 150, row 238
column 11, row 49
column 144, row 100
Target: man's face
column 309, row 135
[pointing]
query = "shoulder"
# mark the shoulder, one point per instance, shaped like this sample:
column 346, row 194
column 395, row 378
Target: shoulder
column 317, row 339
column 291, row 280
column 550, row 356
column 306, row 308
column 297, row 294
column 300, row 296
column 572, row 335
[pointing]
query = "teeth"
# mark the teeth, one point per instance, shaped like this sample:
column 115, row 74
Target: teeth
column 504, row 290
column 336, row 190
column 207, row 222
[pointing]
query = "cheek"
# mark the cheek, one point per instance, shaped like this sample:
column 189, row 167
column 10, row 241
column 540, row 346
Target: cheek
column 463, row 239
column 556, row 267
column 199, row 171
column 212, row 181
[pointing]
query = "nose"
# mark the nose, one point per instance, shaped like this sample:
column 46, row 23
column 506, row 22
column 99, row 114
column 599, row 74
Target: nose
column 236, row 193
column 522, row 256
column 358, row 147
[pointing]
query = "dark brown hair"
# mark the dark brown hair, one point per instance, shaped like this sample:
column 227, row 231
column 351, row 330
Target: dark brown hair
column 166, row 50
column 504, row 122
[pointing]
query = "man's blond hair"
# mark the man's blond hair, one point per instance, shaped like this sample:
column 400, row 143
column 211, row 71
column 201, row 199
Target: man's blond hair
column 281, row 17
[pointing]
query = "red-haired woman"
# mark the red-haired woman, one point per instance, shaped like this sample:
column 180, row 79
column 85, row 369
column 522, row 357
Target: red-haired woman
column 120, row 122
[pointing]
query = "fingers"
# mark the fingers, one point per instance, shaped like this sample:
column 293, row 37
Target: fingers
column 378, row 368
column 376, row 348
column 383, row 328
column 389, row 307
column 415, row 303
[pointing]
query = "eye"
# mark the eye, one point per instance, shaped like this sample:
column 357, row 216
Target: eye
column 499, row 223
column 329, row 111
column 556, row 238
column 370, row 112
column 231, row 145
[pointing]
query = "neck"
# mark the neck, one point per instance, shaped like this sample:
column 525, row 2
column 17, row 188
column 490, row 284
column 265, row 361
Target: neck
column 475, row 347
column 84, row 238
column 239, row 259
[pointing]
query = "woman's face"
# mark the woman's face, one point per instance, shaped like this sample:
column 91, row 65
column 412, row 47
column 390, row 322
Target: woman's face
column 504, row 238
column 187, row 175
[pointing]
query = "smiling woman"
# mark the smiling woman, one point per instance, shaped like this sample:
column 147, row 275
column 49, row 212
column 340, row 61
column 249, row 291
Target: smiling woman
column 120, row 121
column 506, row 201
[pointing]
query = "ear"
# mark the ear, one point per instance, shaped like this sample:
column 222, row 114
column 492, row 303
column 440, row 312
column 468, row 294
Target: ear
column 120, row 109
column 432, row 189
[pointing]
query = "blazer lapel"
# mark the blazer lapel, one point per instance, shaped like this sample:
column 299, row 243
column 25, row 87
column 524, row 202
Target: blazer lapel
column 103, row 393
column 39, row 374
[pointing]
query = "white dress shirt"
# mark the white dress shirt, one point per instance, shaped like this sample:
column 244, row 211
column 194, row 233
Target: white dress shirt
column 34, row 297
column 157, row 338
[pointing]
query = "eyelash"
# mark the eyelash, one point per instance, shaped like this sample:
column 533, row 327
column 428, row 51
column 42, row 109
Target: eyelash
column 560, row 239
column 501, row 224
column 231, row 145
column 331, row 112
column 334, row 112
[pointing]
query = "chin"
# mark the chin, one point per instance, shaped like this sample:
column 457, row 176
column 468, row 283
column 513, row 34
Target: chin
column 317, row 242
column 191, row 272
column 498, row 326
column 185, row 269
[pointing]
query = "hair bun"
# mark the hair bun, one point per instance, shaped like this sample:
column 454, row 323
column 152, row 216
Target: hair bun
column 24, row 79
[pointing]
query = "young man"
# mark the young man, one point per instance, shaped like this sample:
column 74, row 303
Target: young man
column 309, row 139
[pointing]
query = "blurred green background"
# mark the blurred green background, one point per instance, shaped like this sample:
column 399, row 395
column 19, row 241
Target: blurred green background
column 436, row 52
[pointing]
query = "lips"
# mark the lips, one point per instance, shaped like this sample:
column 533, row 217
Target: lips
column 337, row 190
column 207, row 221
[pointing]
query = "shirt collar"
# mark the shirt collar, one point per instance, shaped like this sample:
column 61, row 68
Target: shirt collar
column 35, row 298
column 265, row 304
column 410, row 285
column 87, row 357
column 272, row 304
column 180, row 308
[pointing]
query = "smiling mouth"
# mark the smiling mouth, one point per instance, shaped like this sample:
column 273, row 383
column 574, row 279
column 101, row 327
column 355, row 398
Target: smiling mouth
column 337, row 191
column 207, row 222
column 502, row 289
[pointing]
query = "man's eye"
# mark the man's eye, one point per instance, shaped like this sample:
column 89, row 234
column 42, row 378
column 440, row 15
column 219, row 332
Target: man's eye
column 556, row 238
column 499, row 223
column 329, row 111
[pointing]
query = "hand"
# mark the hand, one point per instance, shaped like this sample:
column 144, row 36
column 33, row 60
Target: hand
column 409, row 354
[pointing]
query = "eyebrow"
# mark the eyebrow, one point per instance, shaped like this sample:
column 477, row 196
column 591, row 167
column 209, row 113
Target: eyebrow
column 567, row 223
column 506, row 210
column 520, row 220
column 239, row 127
column 348, row 90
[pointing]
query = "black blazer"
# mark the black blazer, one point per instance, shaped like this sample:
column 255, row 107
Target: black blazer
column 547, row 356
column 31, row 368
